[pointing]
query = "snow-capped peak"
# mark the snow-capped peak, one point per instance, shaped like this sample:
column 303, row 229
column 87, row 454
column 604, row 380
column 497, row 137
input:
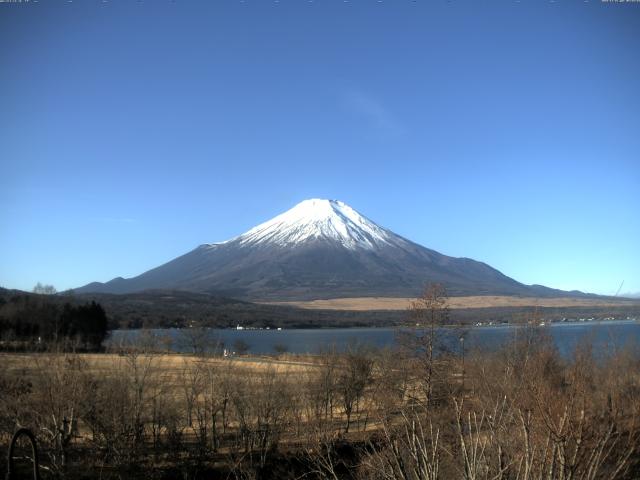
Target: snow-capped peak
column 317, row 219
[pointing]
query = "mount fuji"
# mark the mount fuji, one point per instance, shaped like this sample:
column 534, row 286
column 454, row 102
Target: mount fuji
column 319, row 249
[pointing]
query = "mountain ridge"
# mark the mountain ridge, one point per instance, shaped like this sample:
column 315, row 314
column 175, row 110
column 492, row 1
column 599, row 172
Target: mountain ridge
column 320, row 249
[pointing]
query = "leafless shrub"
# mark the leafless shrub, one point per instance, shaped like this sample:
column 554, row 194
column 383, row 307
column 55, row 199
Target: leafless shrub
column 354, row 375
column 526, row 413
column 409, row 449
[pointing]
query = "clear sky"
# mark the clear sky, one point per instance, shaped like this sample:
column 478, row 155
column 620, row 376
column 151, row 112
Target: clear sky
column 504, row 131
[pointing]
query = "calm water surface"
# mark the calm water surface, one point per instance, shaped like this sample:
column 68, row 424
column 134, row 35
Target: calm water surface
column 603, row 335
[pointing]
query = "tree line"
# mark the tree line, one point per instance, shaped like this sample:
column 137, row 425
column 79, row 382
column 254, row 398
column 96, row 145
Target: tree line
column 419, row 411
column 35, row 321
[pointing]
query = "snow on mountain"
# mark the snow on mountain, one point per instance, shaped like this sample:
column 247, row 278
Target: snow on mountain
column 319, row 219
column 319, row 249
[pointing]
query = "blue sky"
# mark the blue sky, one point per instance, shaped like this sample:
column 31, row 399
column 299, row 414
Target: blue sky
column 508, row 132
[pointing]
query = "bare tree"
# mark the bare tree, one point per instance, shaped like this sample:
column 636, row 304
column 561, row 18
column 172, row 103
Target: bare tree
column 353, row 377
column 280, row 348
column 422, row 341
column 240, row 347
column 44, row 289
column 62, row 390
column 199, row 341
column 410, row 449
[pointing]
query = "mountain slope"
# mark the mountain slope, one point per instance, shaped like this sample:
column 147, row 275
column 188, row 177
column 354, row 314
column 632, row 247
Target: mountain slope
column 319, row 249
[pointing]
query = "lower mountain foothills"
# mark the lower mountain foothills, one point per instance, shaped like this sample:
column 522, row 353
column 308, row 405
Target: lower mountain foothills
column 33, row 321
column 25, row 314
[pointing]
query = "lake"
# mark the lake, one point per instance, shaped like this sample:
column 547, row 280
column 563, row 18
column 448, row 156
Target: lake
column 605, row 335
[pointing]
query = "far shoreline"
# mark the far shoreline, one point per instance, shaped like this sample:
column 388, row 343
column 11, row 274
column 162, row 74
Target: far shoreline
column 465, row 326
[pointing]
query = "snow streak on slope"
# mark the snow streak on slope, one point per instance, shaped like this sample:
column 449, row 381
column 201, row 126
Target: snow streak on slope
column 319, row 219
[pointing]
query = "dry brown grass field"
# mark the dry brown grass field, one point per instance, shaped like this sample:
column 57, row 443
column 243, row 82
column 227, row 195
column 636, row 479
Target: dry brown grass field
column 352, row 415
column 490, row 301
column 170, row 364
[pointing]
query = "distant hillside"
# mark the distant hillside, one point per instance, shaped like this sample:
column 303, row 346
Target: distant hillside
column 180, row 309
column 165, row 309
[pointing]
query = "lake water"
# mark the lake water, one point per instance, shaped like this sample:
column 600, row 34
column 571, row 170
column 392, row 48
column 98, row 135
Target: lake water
column 605, row 335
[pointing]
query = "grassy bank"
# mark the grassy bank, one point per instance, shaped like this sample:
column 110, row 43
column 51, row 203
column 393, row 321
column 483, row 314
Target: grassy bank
column 520, row 412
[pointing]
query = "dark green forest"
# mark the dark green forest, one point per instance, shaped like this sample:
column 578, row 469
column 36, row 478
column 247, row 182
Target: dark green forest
column 31, row 320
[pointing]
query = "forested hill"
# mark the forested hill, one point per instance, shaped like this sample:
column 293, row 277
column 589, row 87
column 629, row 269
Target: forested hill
column 34, row 319
column 180, row 309
column 165, row 309
column 175, row 309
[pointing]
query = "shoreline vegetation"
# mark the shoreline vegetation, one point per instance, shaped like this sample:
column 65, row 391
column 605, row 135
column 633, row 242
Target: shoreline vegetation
column 418, row 410
column 138, row 412
column 178, row 309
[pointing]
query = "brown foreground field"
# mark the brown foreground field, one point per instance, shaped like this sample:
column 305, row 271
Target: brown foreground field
column 489, row 301
column 172, row 365
column 520, row 412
